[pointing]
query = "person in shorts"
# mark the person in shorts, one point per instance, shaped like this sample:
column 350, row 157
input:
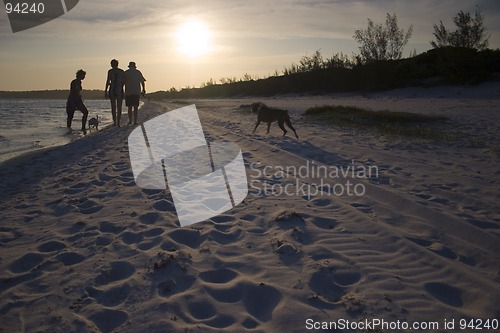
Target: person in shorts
column 115, row 82
column 75, row 101
column 134, row 81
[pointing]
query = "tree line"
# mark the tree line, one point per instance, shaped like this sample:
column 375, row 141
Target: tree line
column 387, row 41
column 458, row 55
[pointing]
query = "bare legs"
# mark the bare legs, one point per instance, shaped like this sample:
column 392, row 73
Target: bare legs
column 134, row 114
column 85, row 112
column 116, row 109
column 84, row 119
column 113, row 109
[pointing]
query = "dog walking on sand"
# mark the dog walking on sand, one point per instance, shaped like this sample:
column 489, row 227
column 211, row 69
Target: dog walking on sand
column 270, row 115
column 94, row 122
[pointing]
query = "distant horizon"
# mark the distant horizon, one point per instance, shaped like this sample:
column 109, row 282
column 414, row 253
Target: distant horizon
column 180, row 45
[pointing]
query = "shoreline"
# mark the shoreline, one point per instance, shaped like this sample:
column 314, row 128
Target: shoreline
column 82, row 144
column 69, row 136
column 75, row 135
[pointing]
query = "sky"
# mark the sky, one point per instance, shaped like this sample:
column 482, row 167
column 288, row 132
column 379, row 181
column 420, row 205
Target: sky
column 181, row 43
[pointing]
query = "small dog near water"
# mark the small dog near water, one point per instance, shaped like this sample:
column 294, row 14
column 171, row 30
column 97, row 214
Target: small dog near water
column 94, row 122
column 270, row 115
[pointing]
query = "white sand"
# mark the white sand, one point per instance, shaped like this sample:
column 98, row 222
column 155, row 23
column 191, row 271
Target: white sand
column 83, row 249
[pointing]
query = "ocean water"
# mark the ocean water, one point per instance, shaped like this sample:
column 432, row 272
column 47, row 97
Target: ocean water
column 27, row 125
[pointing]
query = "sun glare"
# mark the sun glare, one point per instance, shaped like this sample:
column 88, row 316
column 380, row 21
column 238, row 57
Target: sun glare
column 193, row 39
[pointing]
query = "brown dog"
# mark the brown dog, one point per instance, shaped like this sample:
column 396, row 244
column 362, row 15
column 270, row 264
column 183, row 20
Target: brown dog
column 270, row 115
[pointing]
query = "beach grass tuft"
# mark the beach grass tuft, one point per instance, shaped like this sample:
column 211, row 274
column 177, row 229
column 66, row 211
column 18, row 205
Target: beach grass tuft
column 390, row 123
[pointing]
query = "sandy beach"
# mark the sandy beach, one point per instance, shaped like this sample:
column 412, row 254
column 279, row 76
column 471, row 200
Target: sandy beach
column 83, row 249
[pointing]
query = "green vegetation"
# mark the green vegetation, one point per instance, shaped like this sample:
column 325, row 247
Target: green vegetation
column 470, row 32
column 399, row 124
column 314, row 74
column 459, row 57
column 380, row 42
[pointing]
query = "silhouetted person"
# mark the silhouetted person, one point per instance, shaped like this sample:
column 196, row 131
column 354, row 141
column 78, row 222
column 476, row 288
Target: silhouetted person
column 75, row 101
column 115, row 82
column 133, row 83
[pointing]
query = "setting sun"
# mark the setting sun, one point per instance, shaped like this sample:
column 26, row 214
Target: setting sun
column 193, row 39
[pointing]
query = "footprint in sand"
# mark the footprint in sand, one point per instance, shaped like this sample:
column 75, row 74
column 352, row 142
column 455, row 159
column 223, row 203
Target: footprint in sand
column 362, row 207
column 103, row 240
column 447, row 187
column 30, row 216
column 153, row 194
column 87, row 206
column 436, row 247
column 108, row 320
column 26, row 263
column 346, row 277
column 60, row 207
column 120, row 166
column 109, row 227
column 152, row 238
column 104, row 177
column 176, row 284
column 51, row 246
column 104, row 193
column 97, row 183
column 222, row 275
column 130, row 237
column 323, row 285
column 289, row 254
column 324, row 223
column 169, row 273
column 150, row 218
column 259, row 300
column 220, row 321
column 86, row 161
column 225, row 237
column 483, row 224
column 320, row 202
column 148, row 244
column 110, row 297
column 202, row 310
column 223, row 218
column 153, row 232
column 440, row 201
column 164, row 206
column 127, row 179
column 70, row 258
column 331, row 283
column 118, row 270
column 445, row 293
column 188, row 237
column 76, row 189
column 8, row 235
column 442, row 250
column 426, row 198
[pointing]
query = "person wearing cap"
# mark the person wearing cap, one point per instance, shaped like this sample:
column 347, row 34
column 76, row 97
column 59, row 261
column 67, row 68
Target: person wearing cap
column 115, row 82
column 134, row 81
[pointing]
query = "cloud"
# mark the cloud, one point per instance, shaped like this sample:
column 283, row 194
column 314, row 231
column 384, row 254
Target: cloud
column 250, row 36
column 335, row 19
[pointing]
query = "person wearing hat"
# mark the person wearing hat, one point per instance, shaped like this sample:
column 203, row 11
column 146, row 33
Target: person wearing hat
column 134, row 81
